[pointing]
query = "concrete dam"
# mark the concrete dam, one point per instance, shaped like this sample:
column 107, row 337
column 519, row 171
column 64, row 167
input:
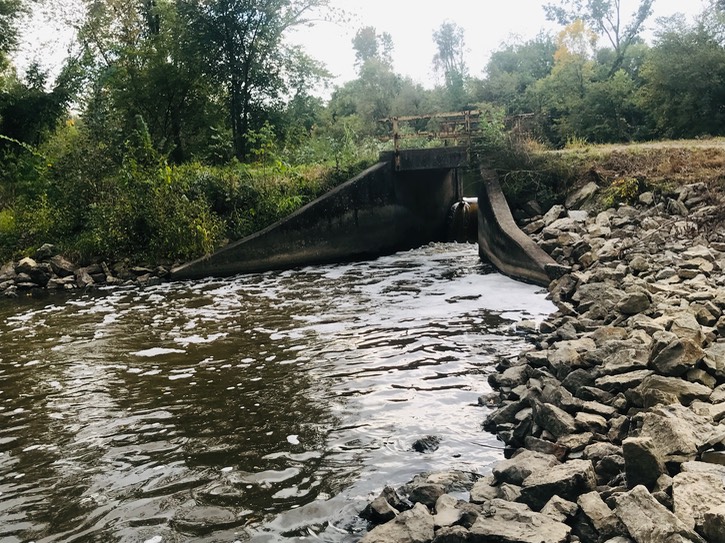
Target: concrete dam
column 406, row 200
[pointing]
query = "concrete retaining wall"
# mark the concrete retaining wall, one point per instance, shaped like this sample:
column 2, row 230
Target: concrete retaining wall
column 502, row 242
column 380, row 211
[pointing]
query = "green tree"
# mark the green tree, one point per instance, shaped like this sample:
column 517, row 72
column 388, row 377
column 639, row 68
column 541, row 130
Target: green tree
column 10, row 11
column 450, row 44
column 240, row 46
column 513, row 69
column 608, row 18
column 370, row 45
column 684, row 82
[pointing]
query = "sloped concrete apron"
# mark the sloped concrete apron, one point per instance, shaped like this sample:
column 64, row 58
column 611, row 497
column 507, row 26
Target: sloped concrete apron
column 502, row 242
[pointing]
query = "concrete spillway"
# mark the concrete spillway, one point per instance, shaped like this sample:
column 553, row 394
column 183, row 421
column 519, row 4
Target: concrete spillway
column 404, row 201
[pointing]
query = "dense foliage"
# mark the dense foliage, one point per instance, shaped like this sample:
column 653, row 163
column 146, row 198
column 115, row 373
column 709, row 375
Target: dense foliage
column 176, row 125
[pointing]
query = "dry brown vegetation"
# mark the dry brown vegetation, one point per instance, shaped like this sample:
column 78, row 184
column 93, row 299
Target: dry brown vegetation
column 656, row 165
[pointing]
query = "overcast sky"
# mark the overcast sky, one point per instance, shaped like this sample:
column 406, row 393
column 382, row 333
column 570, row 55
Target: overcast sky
column 487, row 24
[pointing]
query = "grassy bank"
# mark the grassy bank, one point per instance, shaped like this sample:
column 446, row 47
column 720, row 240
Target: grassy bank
column 623, row 172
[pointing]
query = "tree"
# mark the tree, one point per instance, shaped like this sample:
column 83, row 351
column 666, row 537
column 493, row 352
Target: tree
column 513, row 69
column 369, row 45
column 240, row 45
column 10, row 10
column 684, row 83
column 449, row 61
column 607, row 18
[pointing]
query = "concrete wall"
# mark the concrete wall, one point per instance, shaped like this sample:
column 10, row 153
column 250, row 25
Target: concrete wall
column 502, row 242
column 378, row 212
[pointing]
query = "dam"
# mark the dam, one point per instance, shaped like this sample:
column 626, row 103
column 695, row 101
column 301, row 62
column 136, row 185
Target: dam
column 403, row 202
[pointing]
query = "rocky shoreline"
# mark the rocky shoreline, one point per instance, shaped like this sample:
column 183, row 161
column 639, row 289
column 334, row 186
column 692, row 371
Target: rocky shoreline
column 613, row 422
column 49, row 271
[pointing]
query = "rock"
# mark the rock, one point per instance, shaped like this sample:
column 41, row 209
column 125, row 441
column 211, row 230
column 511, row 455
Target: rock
column 379, row 511
column 676, row 431
column 647, row 521
column 426, row 494
column 556, row 212
column 447, row 513
column 45, row 252
column 546, row 447
column 515, row 523
column 83, row 278
column 643, row 463
column 554, row 419
column 426, row 444
column 694, row 494
column 62, row 267
column 678, row 357
column 624, row 359
column 582, row 196
column 623, row 381
column 714, row 359
column 713, row 525
column 560, row 509
column 26, row 265
column 567, row 481
column 596, row 518
column 516, row 469
column 413, row 526
column 685, row 326
column 633, row 303
column 658, row 389
column 484, row 490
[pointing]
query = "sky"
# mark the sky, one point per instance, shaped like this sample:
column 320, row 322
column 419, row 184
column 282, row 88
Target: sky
column 411, row 23
column 487, row 25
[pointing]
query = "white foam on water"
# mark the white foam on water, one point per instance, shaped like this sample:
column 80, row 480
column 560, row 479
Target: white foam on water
column 157, row 351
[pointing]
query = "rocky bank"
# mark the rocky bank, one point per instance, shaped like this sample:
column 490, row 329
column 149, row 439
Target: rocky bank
column 48, row 270
column 613, row 422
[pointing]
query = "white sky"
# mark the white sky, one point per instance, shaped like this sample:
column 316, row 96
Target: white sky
column 487, row 24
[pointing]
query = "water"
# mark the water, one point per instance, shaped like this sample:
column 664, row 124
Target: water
column 267, row 407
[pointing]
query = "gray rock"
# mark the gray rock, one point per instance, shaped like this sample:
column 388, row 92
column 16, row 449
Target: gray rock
column 447, row 512
column 516, row 469
column 553, row 419
column 515, row 523
column 568, row 481
column 45, row 252
column 201, row 520
column 676, row 431
column 678, row 357
column 694, row 494
column 62, row 267
column 714, row 359
column 560, row 509
column 685, row 326
column 643, row 463
column 581, row 196
column 622, row 382
column 597, row 518
column 413, row 526
column 484, row 490
column 379, row 511
column 633, row 303
column 556, row 212
column 26, row 265
column 83, row 278
column 658, row 389
column 426, row 493
column 647, row 521
column 713, row 525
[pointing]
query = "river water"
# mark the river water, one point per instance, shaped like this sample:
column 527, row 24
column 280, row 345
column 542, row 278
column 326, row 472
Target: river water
column 265, row 407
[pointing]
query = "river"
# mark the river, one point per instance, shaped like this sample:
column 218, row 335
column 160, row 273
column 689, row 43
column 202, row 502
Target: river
column 265, row 407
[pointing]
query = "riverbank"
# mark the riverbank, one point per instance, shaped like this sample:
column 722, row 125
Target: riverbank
column 49, row 271
column 613, row 422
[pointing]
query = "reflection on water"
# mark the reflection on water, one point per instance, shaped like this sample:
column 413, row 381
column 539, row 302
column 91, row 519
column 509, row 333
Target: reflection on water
column 265, row 407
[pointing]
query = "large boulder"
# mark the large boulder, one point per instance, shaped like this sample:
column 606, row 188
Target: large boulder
column 648, row 521
column 568, row 481
column 694, row 495
column 643, row 463
column 516, row 469
column 515, row 523
column 413, row 526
